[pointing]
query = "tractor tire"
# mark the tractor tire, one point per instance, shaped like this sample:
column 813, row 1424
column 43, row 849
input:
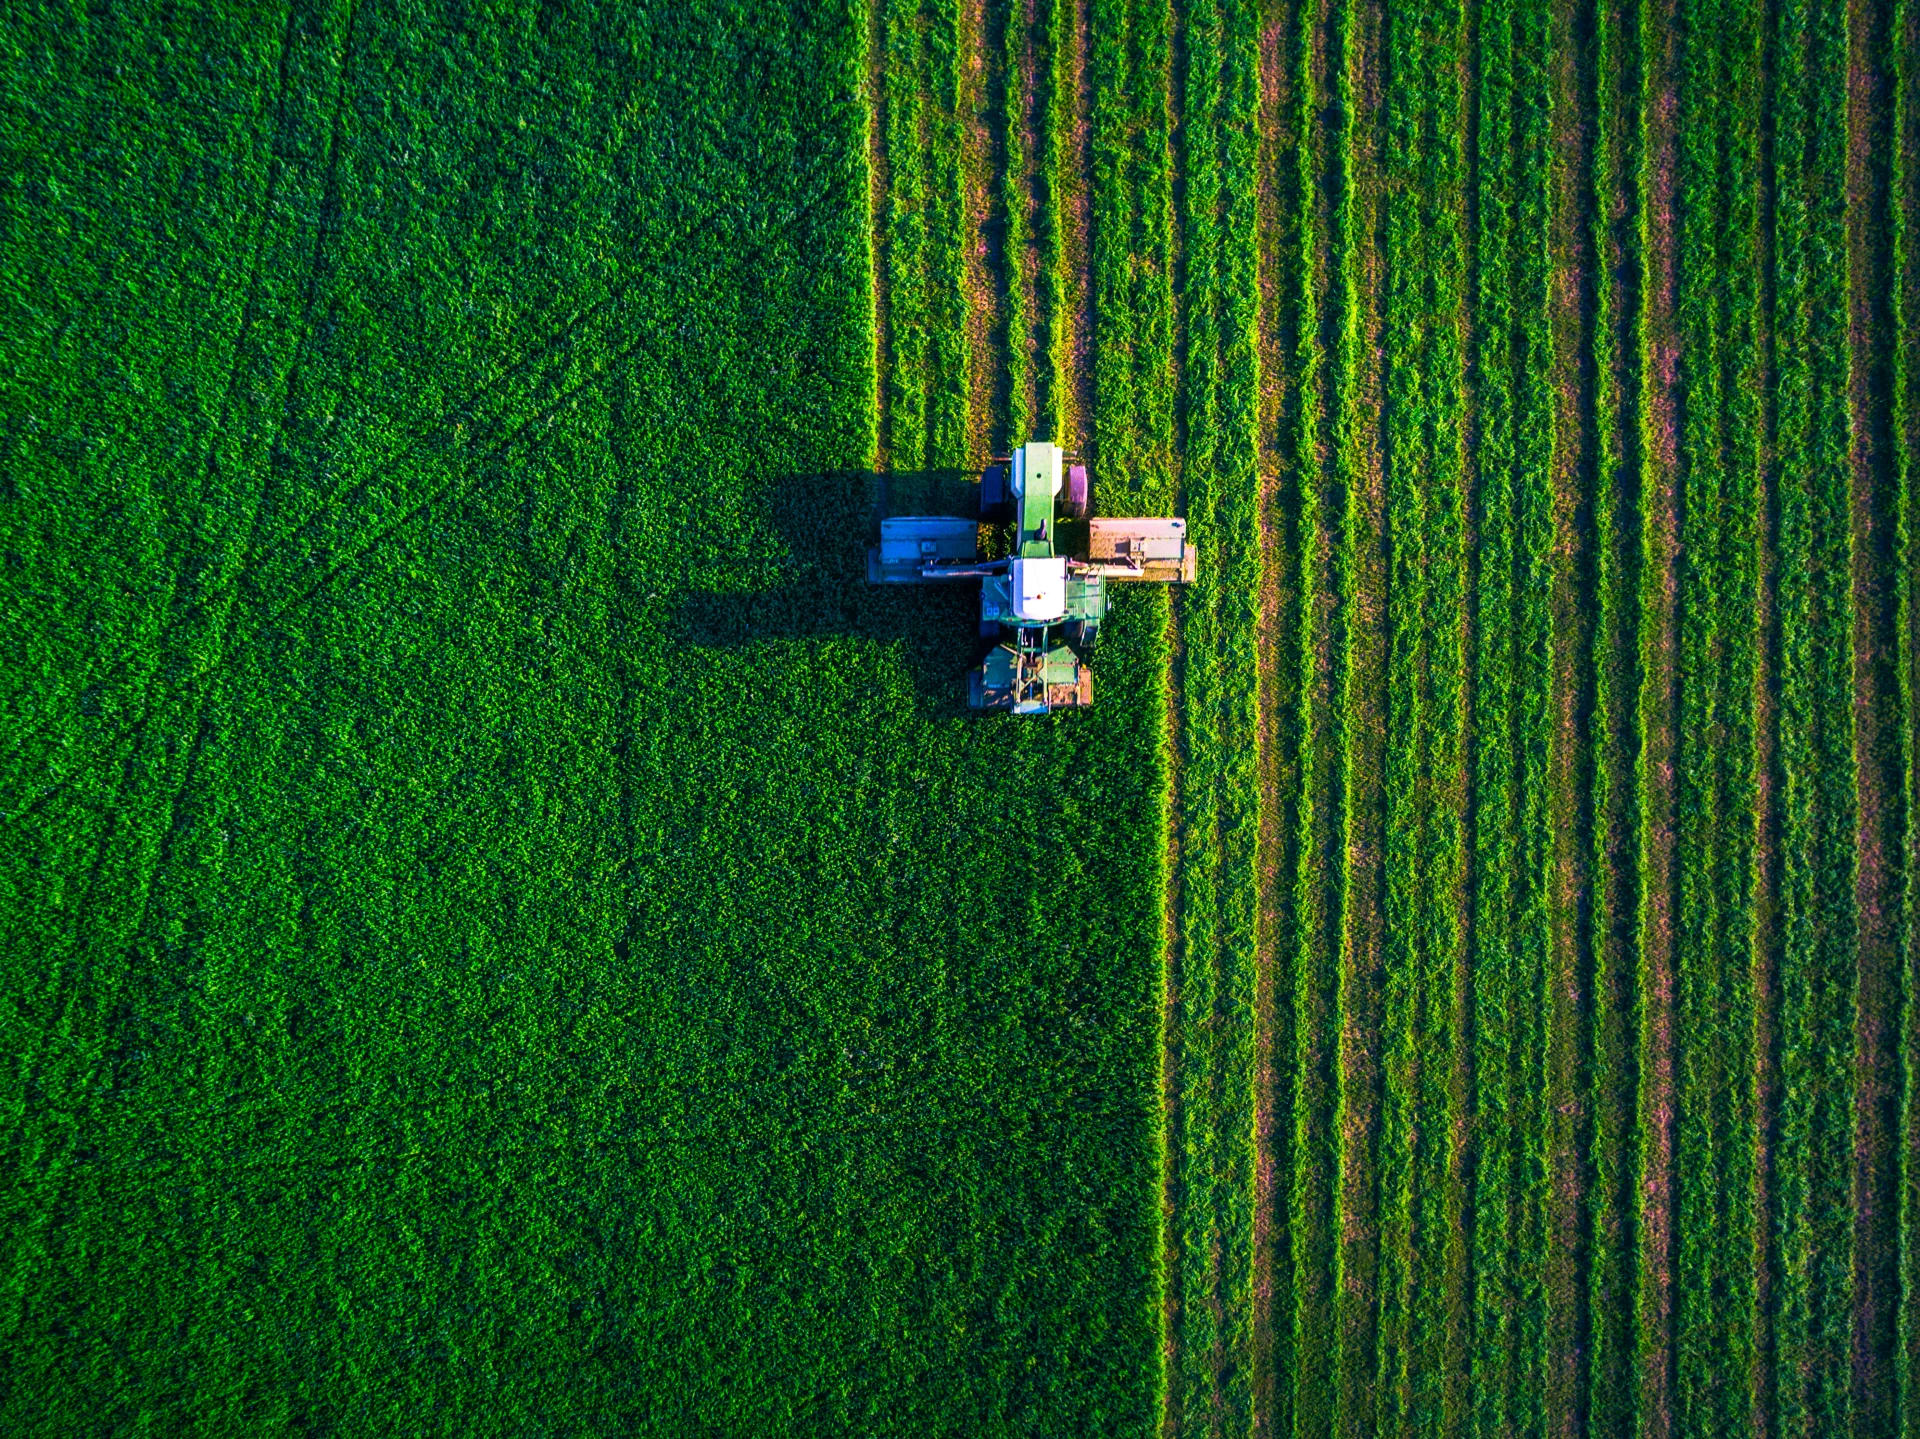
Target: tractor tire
column 1076, row 495
column 996, row 498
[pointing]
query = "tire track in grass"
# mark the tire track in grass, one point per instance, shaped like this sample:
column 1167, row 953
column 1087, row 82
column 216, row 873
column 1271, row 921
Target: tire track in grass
column 1570, row 319
column 1873, row 513
column 165, row 777
column 1310, row 1203
column 178, row 599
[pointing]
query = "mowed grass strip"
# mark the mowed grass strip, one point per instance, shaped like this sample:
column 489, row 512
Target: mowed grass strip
column 1814, row 1166
column 1219, row 775
column 1573, row 465
column 1406, row 1134
column 1360, row 470
column 1532, row 624
column 1500, row 876
column 1276, row 641
column 1716, row 1139
column 1312, row 988
column 1661, row 499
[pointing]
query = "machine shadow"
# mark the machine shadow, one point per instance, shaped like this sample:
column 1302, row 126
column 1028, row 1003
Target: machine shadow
column 825, row 523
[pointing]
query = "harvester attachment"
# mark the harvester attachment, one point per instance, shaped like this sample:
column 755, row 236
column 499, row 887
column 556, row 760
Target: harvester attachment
column 921, row 549
column 1127, row 549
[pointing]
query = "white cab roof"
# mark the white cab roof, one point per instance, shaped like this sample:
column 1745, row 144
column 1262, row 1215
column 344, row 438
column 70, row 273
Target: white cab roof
column 1040, row 589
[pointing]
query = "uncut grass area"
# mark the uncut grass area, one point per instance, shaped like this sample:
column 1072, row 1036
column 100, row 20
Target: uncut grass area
column 503, row 932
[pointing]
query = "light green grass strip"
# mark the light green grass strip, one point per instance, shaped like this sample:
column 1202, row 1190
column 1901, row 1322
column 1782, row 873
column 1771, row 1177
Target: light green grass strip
column 1816, row 842
column 1498, row 980
column 1317, row 852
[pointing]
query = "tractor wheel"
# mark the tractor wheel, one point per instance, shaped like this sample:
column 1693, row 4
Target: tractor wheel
column 996, row 501
column 1076, row 494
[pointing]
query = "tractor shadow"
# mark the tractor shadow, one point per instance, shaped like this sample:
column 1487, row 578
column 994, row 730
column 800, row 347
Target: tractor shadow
column 823, row 525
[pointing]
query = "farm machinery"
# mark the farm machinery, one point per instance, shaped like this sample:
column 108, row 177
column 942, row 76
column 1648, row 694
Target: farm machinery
column 1041, row 603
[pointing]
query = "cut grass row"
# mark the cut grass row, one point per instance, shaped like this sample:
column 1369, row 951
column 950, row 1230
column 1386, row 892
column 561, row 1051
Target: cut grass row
column 1722, row 510
column 1219, row 781
column 1513, row 429
column 1360, row 472
column 1659, row 419
column 1568, row 885
column 1814, row 1167
column 1424, row 156
column 1610, row 1405
column 1308, row 1370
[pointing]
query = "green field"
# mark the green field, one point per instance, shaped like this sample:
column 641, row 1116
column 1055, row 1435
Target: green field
column 505, row 932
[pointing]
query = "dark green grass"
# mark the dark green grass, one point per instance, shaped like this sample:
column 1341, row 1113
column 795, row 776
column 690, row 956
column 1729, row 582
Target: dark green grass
column 504, row 932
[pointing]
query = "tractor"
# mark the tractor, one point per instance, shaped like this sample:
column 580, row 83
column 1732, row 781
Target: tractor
column 1042, row 603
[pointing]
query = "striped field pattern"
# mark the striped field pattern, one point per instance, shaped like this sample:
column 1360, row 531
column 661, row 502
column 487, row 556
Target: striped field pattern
column 1538, row 1027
